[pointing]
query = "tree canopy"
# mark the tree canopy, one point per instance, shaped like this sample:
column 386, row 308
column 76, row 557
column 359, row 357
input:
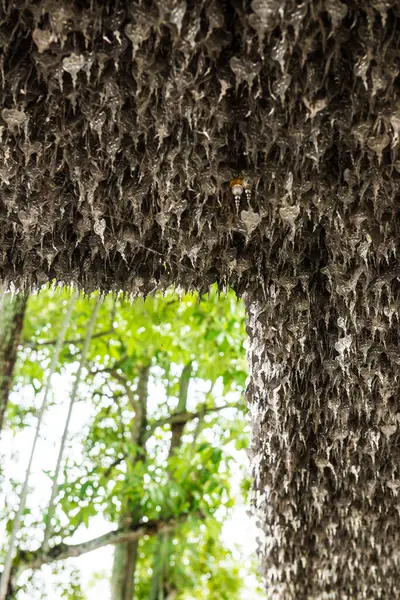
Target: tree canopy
column 161, row 390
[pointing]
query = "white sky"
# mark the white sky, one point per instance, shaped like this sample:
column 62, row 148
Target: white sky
column 239, row 532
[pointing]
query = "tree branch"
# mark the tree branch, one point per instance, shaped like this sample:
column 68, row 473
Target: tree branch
column 34, row 560
column 72, row 341
column 185, row 417
column 74, row 395
column 128, row 390
column 114, row 464
column 160, row 554
column 109, row 370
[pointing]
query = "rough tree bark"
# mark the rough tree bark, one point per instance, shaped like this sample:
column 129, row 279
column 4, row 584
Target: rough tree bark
column 125, row 555
column 160, row 588
column 12, row 311
column 301, row 99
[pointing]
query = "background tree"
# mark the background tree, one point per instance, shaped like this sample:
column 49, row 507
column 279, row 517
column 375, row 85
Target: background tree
column 162, row 386
column 5, row 580
column 12, row 311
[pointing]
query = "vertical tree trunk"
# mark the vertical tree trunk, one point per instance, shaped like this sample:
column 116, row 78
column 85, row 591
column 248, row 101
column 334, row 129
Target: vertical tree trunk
column 125, row 555
column 12, row 311
column 160, row 588
column 123, row 572
column 177, row 428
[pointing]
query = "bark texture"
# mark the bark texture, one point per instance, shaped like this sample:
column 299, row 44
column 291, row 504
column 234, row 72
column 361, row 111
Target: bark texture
column 12, row 311
column 123, row 124
column 125, row 555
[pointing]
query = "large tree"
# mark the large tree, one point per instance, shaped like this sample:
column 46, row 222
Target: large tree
column 252, row 143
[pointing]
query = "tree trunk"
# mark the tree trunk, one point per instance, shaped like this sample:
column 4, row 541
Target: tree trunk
column 160, row 588
column 12, row 311
column 125, row 555
column 177, row 428
column 123, row 572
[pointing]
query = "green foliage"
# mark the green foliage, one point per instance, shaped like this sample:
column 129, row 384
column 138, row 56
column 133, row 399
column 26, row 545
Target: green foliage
column 126, row 465
column 198, row 566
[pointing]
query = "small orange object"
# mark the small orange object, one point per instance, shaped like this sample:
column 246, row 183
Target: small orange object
column 237, row 181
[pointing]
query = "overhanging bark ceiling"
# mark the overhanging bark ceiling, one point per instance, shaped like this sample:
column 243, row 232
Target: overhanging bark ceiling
column 122, row 124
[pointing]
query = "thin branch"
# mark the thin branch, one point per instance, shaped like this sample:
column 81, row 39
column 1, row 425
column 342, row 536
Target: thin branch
column 184, row 387
column 109, row 370
column 185, row 417
column 5, row 577
column 198, row 429
column 74, row 394
column 70, row 531
column 34, row 560
column 128, row 390
column 105, row 472
column 71, row 341
column 114, row 464
column 113, row 313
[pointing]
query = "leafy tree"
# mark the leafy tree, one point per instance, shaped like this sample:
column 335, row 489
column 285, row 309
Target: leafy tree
column 162, row 378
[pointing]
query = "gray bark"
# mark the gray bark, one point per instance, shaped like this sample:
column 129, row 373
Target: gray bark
column 12, row 312
column 301, row 99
